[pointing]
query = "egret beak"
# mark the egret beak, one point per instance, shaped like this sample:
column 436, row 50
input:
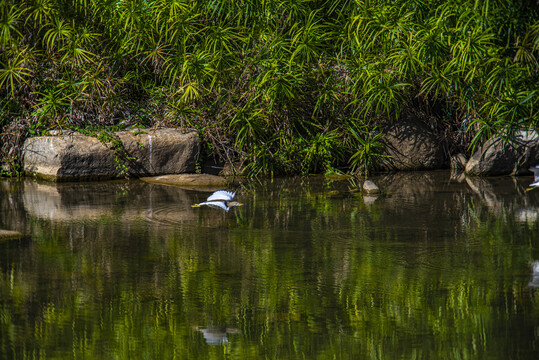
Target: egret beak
column 196, row 205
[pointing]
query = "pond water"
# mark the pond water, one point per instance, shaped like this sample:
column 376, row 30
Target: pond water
column 435, row 268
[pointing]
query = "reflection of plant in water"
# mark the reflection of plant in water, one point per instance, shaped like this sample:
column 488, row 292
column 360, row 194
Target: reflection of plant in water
column 303, row 275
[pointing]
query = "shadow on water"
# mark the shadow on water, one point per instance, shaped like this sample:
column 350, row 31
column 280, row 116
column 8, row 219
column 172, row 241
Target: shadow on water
column 437, row 266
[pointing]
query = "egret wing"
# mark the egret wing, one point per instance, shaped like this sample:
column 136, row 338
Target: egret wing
column 218, row 204
column 221, row 195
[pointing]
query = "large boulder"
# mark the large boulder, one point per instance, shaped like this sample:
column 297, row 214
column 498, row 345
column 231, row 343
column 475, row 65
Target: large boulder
column 499, row 157
column 73, row 156
column 412, row 146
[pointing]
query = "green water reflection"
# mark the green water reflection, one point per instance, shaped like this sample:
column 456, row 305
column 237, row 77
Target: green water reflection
column 436, row 268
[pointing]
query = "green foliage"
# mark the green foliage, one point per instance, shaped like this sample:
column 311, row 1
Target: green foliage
column 241, row 72
column 370, row 148
column 12, row 168
column 14, row 72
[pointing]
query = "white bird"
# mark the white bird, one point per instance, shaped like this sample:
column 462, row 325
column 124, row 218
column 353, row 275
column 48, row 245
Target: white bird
column 536, row 178
column 220, row 199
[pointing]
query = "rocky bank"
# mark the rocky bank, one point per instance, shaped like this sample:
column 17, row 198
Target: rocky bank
column 71, row 156
column 410, row 145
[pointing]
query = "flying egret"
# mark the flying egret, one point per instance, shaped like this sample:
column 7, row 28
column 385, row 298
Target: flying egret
column 220, row 199
column 535, row 182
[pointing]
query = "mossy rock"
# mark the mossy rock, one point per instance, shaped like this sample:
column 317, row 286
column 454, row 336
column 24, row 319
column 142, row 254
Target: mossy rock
column 72, row 156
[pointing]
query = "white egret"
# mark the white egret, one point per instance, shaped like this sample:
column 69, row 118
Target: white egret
column 220, row 199
column 535, row 182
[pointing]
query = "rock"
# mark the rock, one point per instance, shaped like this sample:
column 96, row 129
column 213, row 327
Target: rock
column 497, row 157
column 68, row 156
column 73, row 156
column 190, row 180
column 412, row 146
column 458, row 162
column 10, row 235
column 161, row 151
column 370, row 188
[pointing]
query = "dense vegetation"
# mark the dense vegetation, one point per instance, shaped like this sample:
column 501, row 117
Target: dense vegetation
column 289, row 85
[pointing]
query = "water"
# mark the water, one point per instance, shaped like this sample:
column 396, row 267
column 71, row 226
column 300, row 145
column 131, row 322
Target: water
column 436, row 268
column 150, row 143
